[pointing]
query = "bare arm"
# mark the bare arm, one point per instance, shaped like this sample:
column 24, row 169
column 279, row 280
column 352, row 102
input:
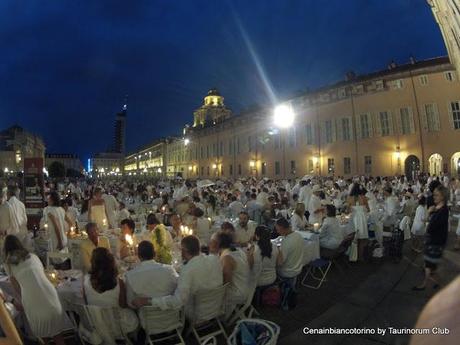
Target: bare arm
column 228, row 266
column 56, row 230
column 122, row 298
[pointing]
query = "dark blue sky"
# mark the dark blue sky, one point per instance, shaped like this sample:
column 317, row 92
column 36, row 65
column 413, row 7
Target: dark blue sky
column 66, row 65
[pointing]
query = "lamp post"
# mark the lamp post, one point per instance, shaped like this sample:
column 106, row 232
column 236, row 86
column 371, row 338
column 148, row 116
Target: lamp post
column 284, row 118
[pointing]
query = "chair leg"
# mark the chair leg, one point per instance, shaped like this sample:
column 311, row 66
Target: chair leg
column 222, row 329
column 321, row 279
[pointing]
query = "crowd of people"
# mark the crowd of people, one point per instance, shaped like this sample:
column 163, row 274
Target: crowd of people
column 230, row 227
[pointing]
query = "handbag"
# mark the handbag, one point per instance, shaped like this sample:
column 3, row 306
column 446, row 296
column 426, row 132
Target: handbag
column 271, row 296
column 353, row 254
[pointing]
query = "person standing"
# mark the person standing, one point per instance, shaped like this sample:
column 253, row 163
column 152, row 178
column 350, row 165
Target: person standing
column 18, row 215
column 112, row 207
column 97, row 212
column 436, row 236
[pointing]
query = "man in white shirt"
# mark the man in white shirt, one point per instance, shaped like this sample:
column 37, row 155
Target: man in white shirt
column 244, row 229
column 18, row 215
column 305, row 193
column 314, row 207
column 5, row 222
column 235, row 206
column 111, row 207
column 149, row 279
column 262, row 197
column 292, row 248
column 391, row 207
column 199, row 272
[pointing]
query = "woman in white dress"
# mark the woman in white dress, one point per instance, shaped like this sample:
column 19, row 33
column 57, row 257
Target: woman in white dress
column 202, row 226
column 298, row 219
column 39, row 299
column 54, row 217
column 97, row 212
column 357, row 204
column 236, row 271
column 330, row 233
column 103, row 288
column 264, row 257
column 419, row 225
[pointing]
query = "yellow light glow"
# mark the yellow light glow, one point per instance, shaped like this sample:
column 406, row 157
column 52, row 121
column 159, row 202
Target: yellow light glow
column 284, row 116
column 214, row 166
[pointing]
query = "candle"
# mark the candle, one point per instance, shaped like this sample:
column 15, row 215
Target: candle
column 129, row 239
column 209, row 218
column 46, row 225
column 316, row 226
column 104, row 222
column 53, row 275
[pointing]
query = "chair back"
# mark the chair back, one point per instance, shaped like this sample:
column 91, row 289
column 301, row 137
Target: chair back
column 346, row 242
column 155, row 321
column 265, row 332
column 209, row 304
column 107, row 321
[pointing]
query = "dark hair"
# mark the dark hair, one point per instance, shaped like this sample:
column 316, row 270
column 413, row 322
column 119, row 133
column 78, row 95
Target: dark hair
column 54, row 197
column 198, row 212
column 422, row 200
column 227, row 226
column 145, row 250
column 331, row 211
column 103, row 272
column 282, row 222
column 192, row 244
column 354, row 190
column 212, row 201
column 84, row 206
column 129, row 223
column 225, row 240
column 14, row 250
column 433, row 185
column 89, row 226
column 152, row 219
column 388, row 189
column 264, row 241
column 245, row 213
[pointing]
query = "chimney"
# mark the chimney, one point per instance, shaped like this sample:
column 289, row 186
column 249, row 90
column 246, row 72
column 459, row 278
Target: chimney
column 350, row 75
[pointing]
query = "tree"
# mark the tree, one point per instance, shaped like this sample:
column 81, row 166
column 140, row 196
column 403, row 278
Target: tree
column 56, row 170
column 73, row 173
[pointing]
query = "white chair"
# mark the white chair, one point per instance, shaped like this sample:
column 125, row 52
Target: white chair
column 86, row 331
column 208, row 306
column 58, row 256
column 316, row 270
column 270, row 329
column 107, row 322
column 245, row 310
column 155, row 321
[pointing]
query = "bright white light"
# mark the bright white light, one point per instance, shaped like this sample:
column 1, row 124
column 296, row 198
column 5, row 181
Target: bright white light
column 283, row 116
column 186, row 141
column 159, row 170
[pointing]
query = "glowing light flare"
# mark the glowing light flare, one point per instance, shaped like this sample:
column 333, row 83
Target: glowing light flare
column 283, row 116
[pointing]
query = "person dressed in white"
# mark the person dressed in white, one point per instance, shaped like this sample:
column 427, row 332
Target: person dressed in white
column 314, row 206
column 419, row 225
column 103, row 288
column 298, row 219
column 111, row 206
column 139, row 279
column 18, row 215
column 305, row 193
column 292, row 249
column 39, row 299
column 235, row 269
column 330, row 233
column 123, row 213
column 199, row 273
column 391, row 207
column 244, row 229
column 54, row 219
column 5, row 214
column 235, row 207
column 264, row 257
column 357, row 203
column 97, row 212
column 202, row 226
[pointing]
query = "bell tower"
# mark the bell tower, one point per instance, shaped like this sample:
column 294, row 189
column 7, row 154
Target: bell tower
column 212, row 111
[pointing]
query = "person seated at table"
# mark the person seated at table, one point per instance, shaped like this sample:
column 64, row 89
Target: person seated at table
column 235, row 269
column 202, row 227
column 199, row 272
column 38, row 298
column 244, row 229
column 330, row 233
column 292, row 248
column 264, row 257
column 92, row 242
column 235, row 206
column 127, row 230
column 102, row 287
column 160, row 237
column 139, row 280
column 174, row 228
column 298, row 219
column 123, row 212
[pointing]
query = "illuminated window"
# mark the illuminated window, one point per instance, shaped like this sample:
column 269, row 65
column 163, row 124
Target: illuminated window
column 384, row 123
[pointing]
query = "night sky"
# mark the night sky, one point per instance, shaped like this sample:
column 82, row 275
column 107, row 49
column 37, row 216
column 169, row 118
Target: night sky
column 65, row 66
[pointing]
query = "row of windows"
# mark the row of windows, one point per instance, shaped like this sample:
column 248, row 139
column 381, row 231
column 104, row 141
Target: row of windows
column 367, row 160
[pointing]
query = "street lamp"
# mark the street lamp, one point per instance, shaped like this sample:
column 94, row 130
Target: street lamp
column 283, row 118
column 186, row 141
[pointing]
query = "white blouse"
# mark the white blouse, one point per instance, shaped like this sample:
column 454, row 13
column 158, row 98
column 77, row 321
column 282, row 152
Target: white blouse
column 298, row 223
column 264, row 267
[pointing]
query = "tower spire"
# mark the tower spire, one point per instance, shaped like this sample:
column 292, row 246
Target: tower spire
column 125, row 104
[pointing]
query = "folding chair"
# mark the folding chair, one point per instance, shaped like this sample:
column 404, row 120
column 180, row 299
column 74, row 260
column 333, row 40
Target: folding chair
column 317, row 270
column 208, row 306
column 59, row 256
column 335, row 255
column 245, row 310
column 85, row 330
column 166, row 323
